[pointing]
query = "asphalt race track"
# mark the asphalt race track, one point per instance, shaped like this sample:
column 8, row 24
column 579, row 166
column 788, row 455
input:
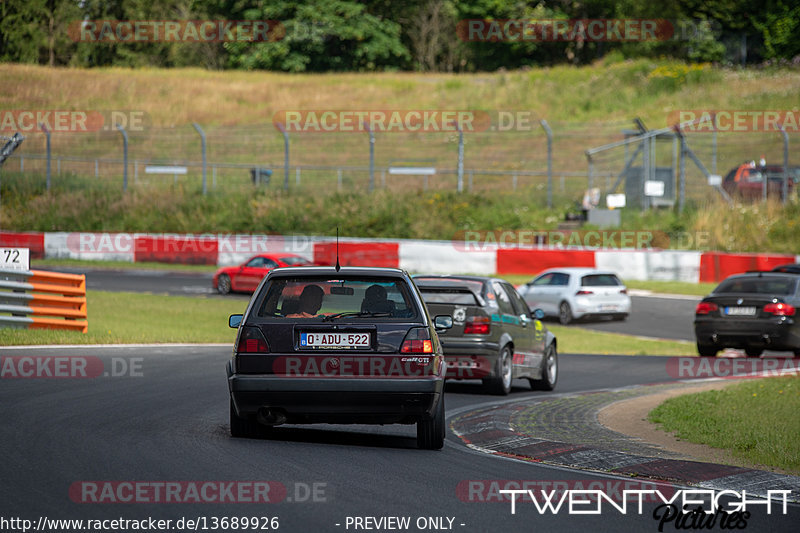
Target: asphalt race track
column 74, row 448
column 145, row 436
column 673, row 315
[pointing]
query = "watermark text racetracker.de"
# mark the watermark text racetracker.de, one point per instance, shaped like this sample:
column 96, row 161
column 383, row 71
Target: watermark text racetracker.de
column 68, row 367
column 200, row 491
column 180, row 244
column 487, row 240
column 726, row 367
column 27, row 121
column 184, row 523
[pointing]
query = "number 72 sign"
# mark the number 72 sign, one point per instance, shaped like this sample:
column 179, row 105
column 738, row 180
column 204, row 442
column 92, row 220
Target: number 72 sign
column 15, row 259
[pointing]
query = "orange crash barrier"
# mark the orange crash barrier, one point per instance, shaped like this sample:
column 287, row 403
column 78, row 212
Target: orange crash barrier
column 38, row 299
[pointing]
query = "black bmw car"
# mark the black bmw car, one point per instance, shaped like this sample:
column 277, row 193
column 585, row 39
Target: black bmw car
column 754, row 311
column 354, row 345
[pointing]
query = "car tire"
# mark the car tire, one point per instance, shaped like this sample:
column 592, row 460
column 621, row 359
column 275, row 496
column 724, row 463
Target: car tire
column 431, row 429
column 707, row 350
column 753, row 352
column 245, row 428
column 549, row 371
column 224, row 284
column 564, row 313
column 622, row 317
column 500, row 381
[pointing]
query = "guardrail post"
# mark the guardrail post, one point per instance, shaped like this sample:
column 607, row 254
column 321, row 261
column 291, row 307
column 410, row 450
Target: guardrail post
column 549, row 134
column 124, row 157
column 203, row 150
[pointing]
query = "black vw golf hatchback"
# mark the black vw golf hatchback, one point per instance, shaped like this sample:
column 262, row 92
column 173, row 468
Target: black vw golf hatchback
column 353, row 345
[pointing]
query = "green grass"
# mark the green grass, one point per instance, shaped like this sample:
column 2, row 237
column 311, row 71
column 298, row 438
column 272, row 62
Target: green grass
column 756, row 420
column 673, row 287
column 580, row 340
column 119, row 265
column 123, row 317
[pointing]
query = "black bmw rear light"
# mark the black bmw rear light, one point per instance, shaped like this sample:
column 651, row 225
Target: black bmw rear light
column 251, row 340
column 780, row 309
column 704, row 308
column 418, row 340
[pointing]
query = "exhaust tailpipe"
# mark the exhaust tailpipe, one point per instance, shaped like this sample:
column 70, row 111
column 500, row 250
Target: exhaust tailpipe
column 270, row 417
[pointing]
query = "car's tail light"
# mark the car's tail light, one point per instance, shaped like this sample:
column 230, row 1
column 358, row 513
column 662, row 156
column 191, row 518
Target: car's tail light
column 418, row 340
column 251, row 340
column 477, row 325
column 582, row 292
column 780, row 309
column 623, row 291
column 704, row 308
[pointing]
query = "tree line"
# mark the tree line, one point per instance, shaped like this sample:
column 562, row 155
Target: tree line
column 407, row 35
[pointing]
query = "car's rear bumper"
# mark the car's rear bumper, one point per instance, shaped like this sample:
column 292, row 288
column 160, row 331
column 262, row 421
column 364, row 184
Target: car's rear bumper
column 587, row 307
column 336, row 400
column 469, row 358
column 773, row 334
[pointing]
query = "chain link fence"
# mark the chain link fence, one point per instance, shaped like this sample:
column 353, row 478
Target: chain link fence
column 518, row 160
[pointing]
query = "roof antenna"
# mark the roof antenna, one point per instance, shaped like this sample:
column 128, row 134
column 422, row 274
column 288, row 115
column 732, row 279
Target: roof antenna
column 337, row 249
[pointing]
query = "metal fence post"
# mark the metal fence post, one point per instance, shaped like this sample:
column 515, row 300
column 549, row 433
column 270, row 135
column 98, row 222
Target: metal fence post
column 682, row 179
column 460, row 186
column 785, row 164
column 49, row 154
column 549, row 134
column 203, row 149
column 371, row 158
column 282, row 129
column 124, row 157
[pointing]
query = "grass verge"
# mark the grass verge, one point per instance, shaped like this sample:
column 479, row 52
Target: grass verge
column 125, row 317
column 756, row 420
column 580, row 340
column 120, row 265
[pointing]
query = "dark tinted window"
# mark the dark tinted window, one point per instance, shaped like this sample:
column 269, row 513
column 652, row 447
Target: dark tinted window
column 520, row 307
column 503, row 301
column 443, row 295
column 559, row 278
column 313, row 298
column 600, row 280
column 547, row 279
column 760, row 285
column 473, row 285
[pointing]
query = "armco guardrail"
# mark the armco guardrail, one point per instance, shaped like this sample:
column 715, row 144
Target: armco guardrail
column 39, row 299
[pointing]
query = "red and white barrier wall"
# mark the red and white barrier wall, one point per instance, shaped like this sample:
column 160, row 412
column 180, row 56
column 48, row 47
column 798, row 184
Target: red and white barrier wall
column 412, row 255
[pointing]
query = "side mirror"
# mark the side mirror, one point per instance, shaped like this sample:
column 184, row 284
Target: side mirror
column 234, row 321
column 443, row 322
column 538, row 314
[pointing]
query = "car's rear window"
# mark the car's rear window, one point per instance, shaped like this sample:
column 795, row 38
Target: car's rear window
column 760, row 285
column 448, row 295
column 600, row 280
column 314, row 298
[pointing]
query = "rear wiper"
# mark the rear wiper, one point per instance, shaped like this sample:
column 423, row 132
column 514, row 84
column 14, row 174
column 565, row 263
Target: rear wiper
column 328, row 318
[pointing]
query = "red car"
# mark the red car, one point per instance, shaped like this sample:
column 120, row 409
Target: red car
column 247, row 276
column 747, row 181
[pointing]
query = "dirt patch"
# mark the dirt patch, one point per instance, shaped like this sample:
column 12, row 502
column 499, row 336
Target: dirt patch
column 629, row 417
